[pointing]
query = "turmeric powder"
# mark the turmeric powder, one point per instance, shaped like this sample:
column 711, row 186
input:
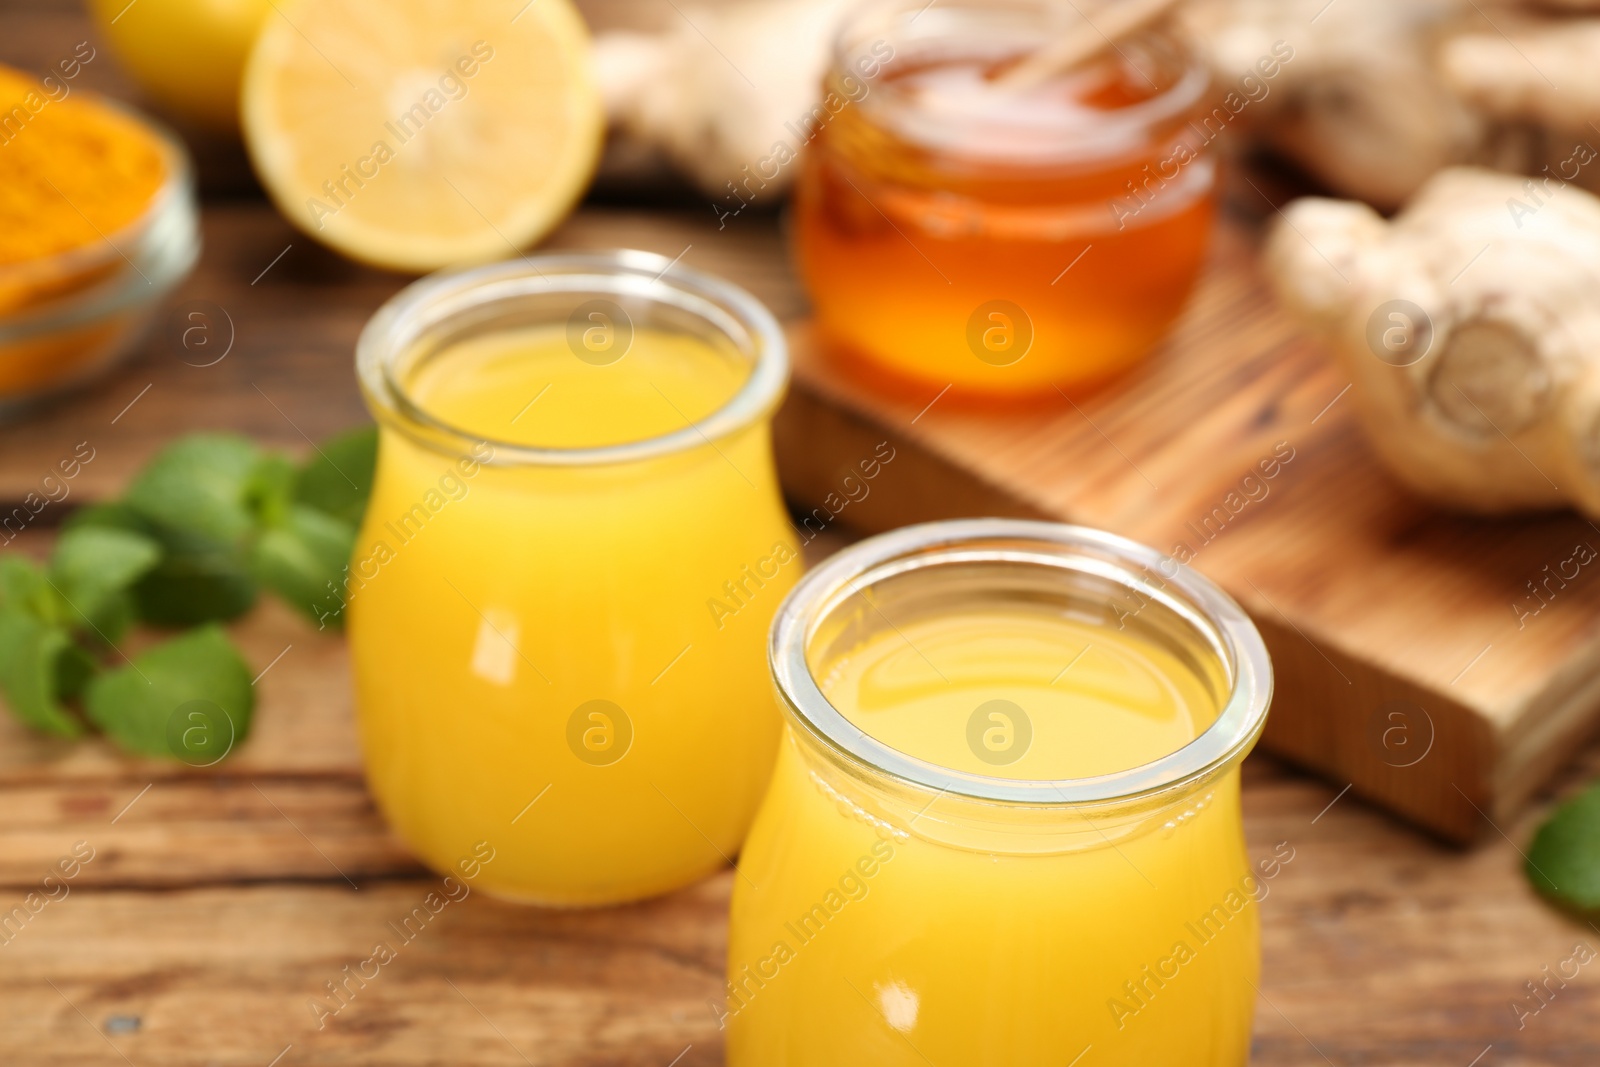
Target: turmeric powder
column 75, row 177
column 73, row 172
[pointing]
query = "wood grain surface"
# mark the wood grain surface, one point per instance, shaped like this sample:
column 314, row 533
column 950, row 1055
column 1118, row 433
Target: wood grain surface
column 219, row 902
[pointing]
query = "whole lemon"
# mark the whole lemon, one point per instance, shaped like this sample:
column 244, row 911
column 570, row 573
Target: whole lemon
column 187, row 54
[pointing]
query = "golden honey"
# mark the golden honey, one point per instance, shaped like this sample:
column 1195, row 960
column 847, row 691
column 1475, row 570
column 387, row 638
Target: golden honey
column 953, row 231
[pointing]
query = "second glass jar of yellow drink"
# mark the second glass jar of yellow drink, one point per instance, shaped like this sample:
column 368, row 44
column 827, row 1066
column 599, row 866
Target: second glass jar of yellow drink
column 560, row 595
column 1004, row 828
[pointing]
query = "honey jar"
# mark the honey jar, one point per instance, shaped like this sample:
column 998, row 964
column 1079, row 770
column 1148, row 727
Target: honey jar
column 955, row 230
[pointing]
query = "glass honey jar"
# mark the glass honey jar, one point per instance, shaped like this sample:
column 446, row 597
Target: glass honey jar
column 955, row 231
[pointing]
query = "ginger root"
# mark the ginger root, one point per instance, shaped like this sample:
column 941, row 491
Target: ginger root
column 1471, row 330
column 1382, row 94
column 1537, row 68
column 1379, row 94
column 717, row 92
column 1358, row 105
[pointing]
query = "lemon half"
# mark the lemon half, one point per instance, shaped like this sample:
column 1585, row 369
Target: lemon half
column 414, row 134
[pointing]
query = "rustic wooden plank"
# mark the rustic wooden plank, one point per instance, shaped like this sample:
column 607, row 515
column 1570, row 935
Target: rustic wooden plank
column 1380, row 947
column 226, row 976
column 199, row 831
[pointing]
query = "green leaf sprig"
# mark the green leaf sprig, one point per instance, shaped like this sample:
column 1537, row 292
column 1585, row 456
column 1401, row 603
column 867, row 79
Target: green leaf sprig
column 1563, row 862
column 201, row 529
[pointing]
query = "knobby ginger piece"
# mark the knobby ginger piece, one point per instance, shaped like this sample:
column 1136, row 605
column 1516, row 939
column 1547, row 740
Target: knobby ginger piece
column 1378, row 97
column 1542, row 71
column 1470, row 327
column 1359, row 104
column 718, row 93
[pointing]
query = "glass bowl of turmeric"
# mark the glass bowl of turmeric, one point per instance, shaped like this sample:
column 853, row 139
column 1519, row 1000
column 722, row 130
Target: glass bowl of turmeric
column 98, row 222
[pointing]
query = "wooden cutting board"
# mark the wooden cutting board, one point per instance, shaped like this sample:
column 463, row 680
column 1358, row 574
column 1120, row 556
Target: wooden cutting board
column 1406, row 667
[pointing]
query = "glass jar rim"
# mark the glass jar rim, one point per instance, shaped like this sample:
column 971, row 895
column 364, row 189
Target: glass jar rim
column 1213, row 614
column 433, row 300
column 854, row 31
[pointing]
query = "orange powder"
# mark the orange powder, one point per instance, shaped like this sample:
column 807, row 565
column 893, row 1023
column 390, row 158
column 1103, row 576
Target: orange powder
column 73, row 174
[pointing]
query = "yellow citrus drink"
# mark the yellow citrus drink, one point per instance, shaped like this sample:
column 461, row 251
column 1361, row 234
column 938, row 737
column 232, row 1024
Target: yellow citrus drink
column 573, row 549
column 1060, row 697
column 1004, row 828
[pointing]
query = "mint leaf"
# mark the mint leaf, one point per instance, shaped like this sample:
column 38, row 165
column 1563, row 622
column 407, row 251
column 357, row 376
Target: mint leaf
column 92, row 568
column 1564, row 859
column 36, row 663
column 270, row 488
column 226, row 515
column 201, row 485
column 195, row 581
column 300, row 559
column 74, row 668
column 108, row 515
column 23, row 588
column 90, row 559
column 337, row 479
column 193, row 585
column 151, row 706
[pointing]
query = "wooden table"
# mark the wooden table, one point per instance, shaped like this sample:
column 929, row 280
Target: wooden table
column 219, row 902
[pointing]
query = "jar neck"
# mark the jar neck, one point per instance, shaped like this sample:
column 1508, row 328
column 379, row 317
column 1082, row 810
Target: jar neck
column 634, row 289
column 901, row 811
column 920, row 81
column 940, row 570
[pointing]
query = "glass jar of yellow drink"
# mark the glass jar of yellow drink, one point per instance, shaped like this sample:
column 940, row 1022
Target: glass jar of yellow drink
column 1004, row 828
column 560, row 594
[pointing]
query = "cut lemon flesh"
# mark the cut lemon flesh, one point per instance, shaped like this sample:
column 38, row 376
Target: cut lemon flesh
column 414, row 134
